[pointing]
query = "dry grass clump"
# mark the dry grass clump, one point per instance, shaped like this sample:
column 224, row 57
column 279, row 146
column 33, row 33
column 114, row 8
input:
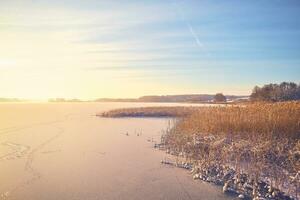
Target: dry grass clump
column 271, row 121
column 149, row 112
column 261, row 139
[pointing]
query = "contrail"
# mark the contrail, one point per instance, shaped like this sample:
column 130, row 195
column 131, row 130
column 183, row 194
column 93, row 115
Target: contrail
column 195, row 36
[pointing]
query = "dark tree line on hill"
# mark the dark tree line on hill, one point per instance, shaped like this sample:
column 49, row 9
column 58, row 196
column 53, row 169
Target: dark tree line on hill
column 219, row 97
column 284, row 91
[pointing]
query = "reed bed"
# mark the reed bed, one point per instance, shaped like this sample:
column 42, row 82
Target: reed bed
column 258, row 120
column 261, row 139
column 178, row 111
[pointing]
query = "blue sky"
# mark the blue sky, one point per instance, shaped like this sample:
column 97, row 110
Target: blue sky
column 89, row 49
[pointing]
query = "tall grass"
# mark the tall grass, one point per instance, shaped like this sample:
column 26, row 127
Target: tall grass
column 260, row 138
column 178, row 111
column 259, row 120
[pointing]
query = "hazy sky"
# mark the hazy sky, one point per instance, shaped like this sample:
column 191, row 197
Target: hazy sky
column 89, row 49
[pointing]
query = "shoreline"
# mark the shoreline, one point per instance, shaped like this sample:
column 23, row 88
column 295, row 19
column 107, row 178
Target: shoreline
column 237, row 184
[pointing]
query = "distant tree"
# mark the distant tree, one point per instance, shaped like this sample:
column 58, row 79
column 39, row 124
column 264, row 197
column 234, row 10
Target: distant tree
column 284, row 91
column 219, row 97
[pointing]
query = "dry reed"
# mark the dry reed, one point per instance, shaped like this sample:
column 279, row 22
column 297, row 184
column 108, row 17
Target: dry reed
column 261, row 139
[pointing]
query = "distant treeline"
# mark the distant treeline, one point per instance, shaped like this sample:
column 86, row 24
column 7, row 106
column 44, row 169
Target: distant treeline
column 285, row 91
column 173, row 98
column 177, row 98
column 10, row 100
column 64, row 100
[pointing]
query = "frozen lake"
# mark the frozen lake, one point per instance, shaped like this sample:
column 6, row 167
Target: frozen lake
column 62, row 151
